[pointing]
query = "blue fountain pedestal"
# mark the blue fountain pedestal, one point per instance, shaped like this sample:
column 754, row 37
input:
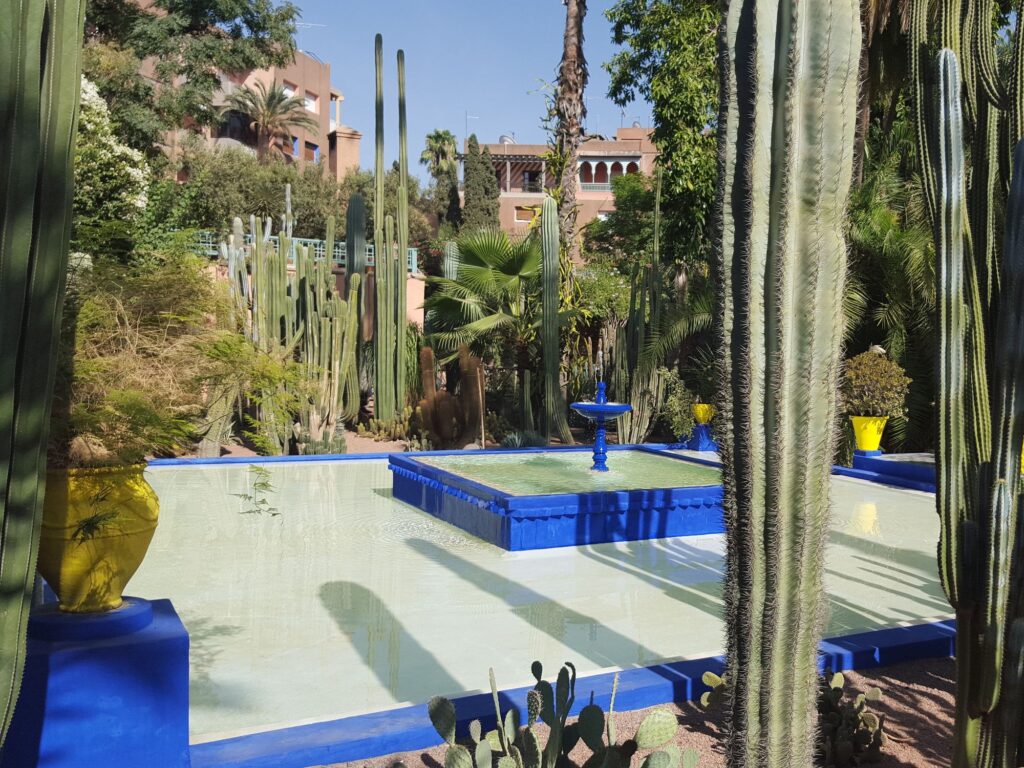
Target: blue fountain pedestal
column 103, row 690
column 599, row 412
column 701, row 439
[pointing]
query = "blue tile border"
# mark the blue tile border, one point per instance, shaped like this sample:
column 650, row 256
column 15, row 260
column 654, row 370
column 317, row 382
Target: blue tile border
column 517, row 522
column 408, row 728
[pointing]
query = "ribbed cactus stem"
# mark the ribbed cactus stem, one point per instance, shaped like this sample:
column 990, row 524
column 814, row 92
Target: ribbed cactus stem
column 402, row 249
column 40, row 82
column 383, row 344
column 554, row 404
column 786, row 130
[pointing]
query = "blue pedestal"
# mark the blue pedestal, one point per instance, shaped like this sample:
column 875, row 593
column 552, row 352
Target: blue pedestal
column 103, row 690
column 867, row 454
column 701, row 439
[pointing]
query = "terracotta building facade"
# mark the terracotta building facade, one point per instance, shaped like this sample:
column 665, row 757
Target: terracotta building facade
column 523, row 175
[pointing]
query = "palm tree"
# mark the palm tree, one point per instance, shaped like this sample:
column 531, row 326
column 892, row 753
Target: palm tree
column 272, row 114
column 492, row 306
column 570, row 109
column 440, row 154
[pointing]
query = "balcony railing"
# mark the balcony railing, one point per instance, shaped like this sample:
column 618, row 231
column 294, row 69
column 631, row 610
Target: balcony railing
column 595, row 187
column 208, row 244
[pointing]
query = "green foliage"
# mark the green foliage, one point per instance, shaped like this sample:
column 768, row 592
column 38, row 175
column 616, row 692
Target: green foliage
column 420, row 206
column 224, row 184
column 129, row 371
column 789, row 77
column 677, row 412
column 111, row 180
column 625, row 236
column 518, row 746
column 480, row 190
column 190, row 42
column 405, row 427
column 668, row 59
column 891, row 295
column 129, row 96
column 259, row 488
column 849, row 732
column 873, row 385
column 527, row 439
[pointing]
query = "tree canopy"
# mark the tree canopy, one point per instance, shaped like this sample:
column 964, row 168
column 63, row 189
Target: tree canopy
column 669, row 58
column 480, row 189
column 189, row 43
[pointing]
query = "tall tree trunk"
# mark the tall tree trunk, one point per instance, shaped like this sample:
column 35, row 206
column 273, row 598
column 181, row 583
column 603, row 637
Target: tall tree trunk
column 570, row 109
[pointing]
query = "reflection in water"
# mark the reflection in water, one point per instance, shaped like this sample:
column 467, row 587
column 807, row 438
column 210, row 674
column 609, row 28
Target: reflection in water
column 385, row 645
column 865, row 519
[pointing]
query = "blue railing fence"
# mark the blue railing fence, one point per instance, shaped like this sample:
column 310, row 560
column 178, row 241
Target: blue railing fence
column 208, row 244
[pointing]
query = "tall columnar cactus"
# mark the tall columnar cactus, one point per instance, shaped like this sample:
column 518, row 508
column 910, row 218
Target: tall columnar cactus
column 980, row 411
column 390, row 271
column 298, row 315
column 554, row 403
column 355, row 237
column 785, row 157
column 39, row 87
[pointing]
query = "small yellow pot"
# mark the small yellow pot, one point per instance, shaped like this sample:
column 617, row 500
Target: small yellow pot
column 703, row 413
column 867, row 431
column 97, row 525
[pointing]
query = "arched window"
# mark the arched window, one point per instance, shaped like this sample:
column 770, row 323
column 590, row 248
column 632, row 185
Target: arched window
column 616, row 169
column 632, row 168
column 586, row 174
column 601, row 173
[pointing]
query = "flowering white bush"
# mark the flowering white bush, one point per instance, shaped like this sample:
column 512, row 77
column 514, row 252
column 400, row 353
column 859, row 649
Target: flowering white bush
column 111, row 178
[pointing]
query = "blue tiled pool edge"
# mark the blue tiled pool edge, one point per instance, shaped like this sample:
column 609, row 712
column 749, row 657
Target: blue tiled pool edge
column 520, row 522
column 408, row 728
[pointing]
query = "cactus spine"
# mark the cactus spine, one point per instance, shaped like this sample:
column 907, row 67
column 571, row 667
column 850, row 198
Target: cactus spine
column 785, row 158
column 390, row 272
column 39, row 89
column 980, row 406
column 554, row 405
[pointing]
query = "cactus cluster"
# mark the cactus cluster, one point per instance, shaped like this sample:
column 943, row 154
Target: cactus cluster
column 40, row 68
column 850, row 733
column 518, row 746
column 788, row 107
column 980, row 350
column 634, row 378
column 390, row 249
column 298, row 314
column 405, row 426
column 555, row 421
column 449, row 420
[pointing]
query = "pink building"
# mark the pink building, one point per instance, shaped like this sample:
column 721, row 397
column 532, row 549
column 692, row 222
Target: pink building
column 523, row 175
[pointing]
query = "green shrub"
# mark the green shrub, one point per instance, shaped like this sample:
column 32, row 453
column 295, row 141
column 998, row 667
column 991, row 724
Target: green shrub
column 873, row 385
column 677, row 413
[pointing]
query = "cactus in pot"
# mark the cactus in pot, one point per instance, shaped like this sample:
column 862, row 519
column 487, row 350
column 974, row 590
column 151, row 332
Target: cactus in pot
column 789, row 75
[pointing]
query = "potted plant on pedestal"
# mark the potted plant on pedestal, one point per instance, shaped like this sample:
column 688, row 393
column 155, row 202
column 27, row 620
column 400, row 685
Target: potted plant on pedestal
column 126, row 389
column 873, row 390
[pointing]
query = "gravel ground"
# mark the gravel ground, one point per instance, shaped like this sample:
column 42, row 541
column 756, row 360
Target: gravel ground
column 917, row 704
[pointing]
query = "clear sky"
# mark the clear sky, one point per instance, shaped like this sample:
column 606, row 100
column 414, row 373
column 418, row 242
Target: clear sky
column 477, row 56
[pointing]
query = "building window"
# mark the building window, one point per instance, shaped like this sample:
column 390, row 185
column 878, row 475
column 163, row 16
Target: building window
column 312, row 153
column 312, row 102
column 295, row 146
column 289, row 88
column 632, row 168
column 532, row 181
column 525, row 213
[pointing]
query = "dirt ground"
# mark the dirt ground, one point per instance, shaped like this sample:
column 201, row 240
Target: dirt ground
column 917, row 703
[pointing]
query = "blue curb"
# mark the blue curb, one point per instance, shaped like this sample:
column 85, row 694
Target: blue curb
column 197, row 461
column 885, row 479
column 408, row 728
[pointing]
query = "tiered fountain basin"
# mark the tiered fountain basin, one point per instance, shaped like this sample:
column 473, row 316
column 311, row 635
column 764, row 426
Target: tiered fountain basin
column 543, row 498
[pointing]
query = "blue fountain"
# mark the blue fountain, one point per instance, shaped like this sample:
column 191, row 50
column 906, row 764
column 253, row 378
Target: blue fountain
column 599, row 412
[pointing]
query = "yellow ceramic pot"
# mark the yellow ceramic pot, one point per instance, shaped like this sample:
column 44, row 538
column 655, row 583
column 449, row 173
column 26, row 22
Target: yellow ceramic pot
column 867, row 431
column 703, row 412
column 97, row 525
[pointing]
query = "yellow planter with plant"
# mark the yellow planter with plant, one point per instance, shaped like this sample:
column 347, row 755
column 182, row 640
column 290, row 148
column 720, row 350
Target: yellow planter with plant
column 873, row 390
column 127, row 383
column 703, row 413
column 97, row 526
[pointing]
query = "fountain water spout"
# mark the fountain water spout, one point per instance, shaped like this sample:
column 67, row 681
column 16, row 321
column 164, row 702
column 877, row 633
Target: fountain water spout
column 599, row 412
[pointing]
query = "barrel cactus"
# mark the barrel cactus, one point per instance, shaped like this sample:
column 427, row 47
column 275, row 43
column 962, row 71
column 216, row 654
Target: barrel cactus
column 789, row 76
